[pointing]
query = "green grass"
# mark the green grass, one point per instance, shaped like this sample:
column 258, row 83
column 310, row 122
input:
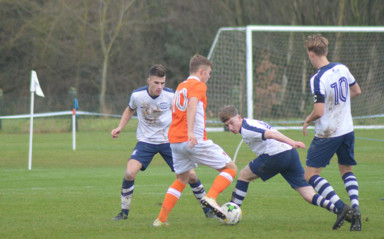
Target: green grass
column 74, row 194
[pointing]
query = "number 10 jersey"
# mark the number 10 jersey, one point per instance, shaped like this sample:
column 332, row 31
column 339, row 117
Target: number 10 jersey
column 330, row 85
column 178, row 131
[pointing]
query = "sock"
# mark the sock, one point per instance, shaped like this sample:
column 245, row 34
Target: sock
column 326, row 190
column 126, row 195
column 171, row 197
column 221, row 182
column 352, row 187
column 199, row 192
column 239, row 193
column 318, row 200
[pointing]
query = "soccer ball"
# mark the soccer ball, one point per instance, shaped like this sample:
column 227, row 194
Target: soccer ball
column 233, row 213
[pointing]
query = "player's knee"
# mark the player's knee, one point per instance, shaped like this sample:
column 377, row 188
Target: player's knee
column 246, row 175
column 129, row 175
column 232, row 166
column 192, row 177
column 308, row 175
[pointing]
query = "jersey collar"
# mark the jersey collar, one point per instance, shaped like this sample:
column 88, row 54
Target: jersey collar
column 193, row 77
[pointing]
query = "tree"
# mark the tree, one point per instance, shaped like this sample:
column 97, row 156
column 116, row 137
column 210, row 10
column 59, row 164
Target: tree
column 110, row 27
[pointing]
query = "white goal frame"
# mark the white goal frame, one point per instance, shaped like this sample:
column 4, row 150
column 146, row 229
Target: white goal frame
column 249, row 44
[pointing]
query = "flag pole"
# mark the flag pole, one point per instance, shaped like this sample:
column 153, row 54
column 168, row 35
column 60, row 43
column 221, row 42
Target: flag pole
column 74, row 129
column 31, row 131
column 35, row 87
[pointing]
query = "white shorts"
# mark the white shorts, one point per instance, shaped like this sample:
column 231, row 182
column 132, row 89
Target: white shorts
column 204, row 153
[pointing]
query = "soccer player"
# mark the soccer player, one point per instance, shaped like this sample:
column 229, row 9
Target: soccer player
column 153, row 106
column 189, row 142
column 276, row 155
column 333, row 87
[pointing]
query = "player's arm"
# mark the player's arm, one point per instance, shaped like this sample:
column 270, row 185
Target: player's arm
column 355, row 90
column 191, row 115
column 269, row 134
column 125, row 118
column 317, row 112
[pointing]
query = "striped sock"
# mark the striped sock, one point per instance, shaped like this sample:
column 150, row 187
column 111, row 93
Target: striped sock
column 326, row 190
column 240, row 192
column 126, row 195
column 318, row 200
column 199, row 192
column 171, row 197
column 352, row 187
column 198, row 189
column 221, row 182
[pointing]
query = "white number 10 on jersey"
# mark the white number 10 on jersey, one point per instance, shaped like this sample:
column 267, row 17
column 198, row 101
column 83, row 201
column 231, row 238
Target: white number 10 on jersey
column 180, row 100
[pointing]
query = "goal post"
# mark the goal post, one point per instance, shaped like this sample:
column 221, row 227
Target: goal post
column 264, row 70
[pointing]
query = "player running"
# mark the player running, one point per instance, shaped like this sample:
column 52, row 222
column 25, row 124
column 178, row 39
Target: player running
column 333, row 87
column 276, row 155
column 189, row 142
column 153, row 106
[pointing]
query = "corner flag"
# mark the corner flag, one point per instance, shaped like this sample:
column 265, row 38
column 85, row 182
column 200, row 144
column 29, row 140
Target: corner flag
column 35, row 86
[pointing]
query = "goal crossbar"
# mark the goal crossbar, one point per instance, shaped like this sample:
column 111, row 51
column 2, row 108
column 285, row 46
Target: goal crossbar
column 265, row 28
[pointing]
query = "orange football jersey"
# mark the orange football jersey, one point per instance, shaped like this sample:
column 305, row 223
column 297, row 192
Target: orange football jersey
column 178, row 131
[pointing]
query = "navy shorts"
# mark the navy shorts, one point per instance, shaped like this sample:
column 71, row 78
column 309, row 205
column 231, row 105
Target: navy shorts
column 322, row 150
column 144, row 153
column 286, row 163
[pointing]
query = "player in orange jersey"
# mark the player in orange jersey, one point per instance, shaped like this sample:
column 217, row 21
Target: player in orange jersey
column 189, row 142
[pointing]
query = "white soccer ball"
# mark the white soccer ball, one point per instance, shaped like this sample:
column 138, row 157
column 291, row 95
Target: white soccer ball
column 232, row 212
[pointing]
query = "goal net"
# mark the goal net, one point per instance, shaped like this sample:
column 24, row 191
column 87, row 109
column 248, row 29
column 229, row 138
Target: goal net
column 264, row 70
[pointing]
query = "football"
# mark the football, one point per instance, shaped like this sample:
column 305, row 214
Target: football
column 232, row 212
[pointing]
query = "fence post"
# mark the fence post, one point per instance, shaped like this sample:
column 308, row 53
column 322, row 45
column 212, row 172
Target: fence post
column 1, row 105
column 74, row 103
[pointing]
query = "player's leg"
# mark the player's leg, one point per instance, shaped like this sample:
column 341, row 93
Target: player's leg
column 199, row 191
column 294, row 175
column 322, row 186
column 195, row 183
column 140, row 158
column 223, row 180
column 241, row 188
column 210, row 154
column 182, row 165
column 319, row 155
column 309, row 195
column 345, row 155
column 127, row 188
column 351, row 185
column 171, row 197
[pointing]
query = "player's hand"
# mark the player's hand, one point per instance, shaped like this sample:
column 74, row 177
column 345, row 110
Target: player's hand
column 305, row 126
column 299, row 144
column 192, row 140
column 115, row 133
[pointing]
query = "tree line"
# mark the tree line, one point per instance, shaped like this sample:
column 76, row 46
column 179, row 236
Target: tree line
column 104, row 48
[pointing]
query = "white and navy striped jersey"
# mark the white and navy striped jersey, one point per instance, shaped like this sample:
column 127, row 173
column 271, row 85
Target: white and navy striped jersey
column 154, row 115
column 253, row 131
column 330, row 85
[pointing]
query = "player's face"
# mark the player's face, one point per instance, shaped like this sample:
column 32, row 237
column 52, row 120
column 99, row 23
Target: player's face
column 234, row 124
column 155, row 85
column 206, row 74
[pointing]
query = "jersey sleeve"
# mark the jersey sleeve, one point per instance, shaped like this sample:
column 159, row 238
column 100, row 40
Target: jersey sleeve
column 132, row 102
column 351, row 78
column 198, row 90
column 253, row 132
column 318, row 90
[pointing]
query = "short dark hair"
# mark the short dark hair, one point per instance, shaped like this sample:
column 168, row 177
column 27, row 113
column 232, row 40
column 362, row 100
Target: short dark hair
column 227, row 113
column 198, row 61
column 157, row 70
column 317, row 44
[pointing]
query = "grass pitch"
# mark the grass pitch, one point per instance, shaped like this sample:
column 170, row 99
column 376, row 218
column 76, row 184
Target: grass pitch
column 74, row 194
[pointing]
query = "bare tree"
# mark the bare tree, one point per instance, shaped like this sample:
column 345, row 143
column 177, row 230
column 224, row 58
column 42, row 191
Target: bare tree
column 110, row 28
